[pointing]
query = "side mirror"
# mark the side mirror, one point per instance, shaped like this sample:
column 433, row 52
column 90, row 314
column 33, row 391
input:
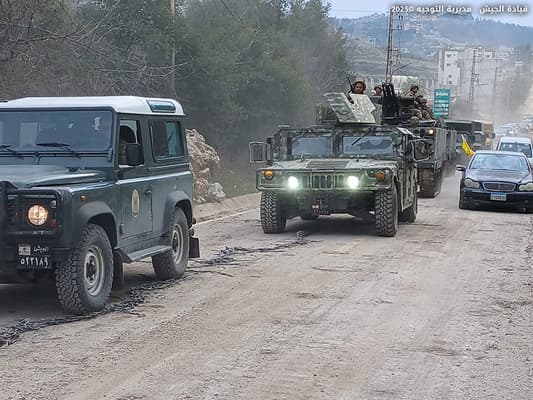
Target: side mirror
column 460, row 168
column 260, row 152
column 134, row 154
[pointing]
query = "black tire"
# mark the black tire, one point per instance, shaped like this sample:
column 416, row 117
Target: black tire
column 463, row 205
column 84, row 280
column 386, row 212
column 409, row 214
column 272, row 218
column 173, row 263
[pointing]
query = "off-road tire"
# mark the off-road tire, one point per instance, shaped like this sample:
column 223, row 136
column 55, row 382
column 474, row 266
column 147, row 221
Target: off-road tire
column 272, row 218
column 172, row 264
column 386, row 212
column 71, row 285
column 409, row 214
column 431, row 191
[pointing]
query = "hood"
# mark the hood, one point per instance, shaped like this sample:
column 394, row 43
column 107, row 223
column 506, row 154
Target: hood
column 27, row 176
column 484, row 175
column 317, row 164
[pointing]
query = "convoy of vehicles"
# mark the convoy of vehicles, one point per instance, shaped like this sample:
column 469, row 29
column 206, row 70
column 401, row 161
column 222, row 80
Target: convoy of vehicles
column 347, row 164
column 90, row 183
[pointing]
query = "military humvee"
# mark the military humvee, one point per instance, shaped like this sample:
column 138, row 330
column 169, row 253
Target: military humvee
column 346, row 164
column 87, row 183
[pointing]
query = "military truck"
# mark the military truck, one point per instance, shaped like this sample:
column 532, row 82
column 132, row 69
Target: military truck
column 471, row 132
column 90, row 183
column 346, row 164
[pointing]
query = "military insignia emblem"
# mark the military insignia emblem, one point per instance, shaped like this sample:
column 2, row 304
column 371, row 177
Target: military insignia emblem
column 135, row 203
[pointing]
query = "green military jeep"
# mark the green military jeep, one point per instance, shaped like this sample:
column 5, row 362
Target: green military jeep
column 346, row 164
column 87, row 183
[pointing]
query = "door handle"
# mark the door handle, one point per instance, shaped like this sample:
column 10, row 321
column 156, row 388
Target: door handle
column 148, row 192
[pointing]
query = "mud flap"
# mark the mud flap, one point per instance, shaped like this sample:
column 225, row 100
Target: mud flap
column 194, row 247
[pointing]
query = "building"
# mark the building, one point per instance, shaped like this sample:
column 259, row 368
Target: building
column 471, row 74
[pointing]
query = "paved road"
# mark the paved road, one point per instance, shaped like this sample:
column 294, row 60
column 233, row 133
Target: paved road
column 441, row 311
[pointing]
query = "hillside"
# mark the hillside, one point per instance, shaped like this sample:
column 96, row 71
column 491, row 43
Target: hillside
column 423, row 36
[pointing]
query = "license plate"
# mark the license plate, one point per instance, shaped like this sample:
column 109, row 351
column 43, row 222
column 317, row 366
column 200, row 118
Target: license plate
column 498, row 196
column 33, row 257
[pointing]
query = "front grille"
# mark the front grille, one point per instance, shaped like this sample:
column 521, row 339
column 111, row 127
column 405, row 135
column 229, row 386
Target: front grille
column 499, row 186
column 323, row 181
column 325, row 164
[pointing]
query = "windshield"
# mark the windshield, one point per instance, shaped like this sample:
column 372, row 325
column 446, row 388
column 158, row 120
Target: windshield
column 499, row 162
column 519, row 147
column 311, row 146
column 79, row 130
column 367, row 145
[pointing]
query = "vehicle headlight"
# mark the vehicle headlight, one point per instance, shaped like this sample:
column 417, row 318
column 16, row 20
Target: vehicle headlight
column 292, row 182
column 37, row 215
column 526, row 187
column 268, row 174
column 469, row 183
column 352, row 182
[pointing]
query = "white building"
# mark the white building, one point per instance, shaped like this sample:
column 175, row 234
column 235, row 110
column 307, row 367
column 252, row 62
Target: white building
column 470, row 72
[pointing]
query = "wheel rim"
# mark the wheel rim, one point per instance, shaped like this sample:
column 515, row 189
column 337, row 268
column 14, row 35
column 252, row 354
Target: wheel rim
column 94, row 271
column 177, row 244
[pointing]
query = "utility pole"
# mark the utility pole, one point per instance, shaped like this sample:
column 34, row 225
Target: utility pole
column 388, row 71
column 474, row 77
column 173, row 50
column 391, row 51
column 494, row 91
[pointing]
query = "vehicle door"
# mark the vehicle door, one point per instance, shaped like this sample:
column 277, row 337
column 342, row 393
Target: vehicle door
column 169, row 166
column 136, row 188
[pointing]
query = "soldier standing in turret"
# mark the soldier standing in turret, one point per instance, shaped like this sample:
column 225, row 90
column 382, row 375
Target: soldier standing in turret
column 358, row 87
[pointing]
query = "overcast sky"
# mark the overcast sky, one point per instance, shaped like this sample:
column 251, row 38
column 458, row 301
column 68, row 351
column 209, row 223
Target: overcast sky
column 359, row 8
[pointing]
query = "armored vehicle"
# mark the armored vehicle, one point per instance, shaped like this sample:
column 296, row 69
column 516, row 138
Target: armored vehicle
column 441, row 161
column 347, row 163
column 90, row 183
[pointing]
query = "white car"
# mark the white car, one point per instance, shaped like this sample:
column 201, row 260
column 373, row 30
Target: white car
column 516, row 143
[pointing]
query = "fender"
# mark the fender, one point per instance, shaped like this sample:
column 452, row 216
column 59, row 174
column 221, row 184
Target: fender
column 174, row 198
column 88, row 211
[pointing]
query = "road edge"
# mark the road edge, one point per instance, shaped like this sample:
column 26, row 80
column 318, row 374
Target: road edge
column 208, row 211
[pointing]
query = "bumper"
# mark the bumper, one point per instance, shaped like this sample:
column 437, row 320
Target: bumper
column 483, row 198
column 327, row 202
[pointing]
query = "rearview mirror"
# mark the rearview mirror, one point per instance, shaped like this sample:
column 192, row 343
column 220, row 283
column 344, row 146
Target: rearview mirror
column 460, row 168
column 260, row 152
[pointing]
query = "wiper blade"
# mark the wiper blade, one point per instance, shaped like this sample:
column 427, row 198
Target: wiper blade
column 359, row 138
column 64, row 146
column 7, row 147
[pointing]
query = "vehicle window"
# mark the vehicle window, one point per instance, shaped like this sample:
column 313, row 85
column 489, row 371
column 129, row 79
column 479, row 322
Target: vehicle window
column 167, row 141
column 519, row 147
column 80, row 130
column 367, row 145
column 499, row 162
column 129, row 132
column 317, row 146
